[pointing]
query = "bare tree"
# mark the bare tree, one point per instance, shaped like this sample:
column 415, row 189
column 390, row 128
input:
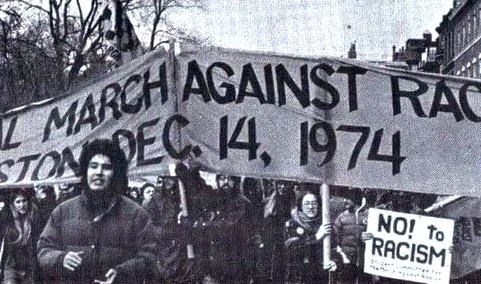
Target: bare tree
column 48, row 46
column 45, row 47
column 74, row 34
column 154, row 15
column 24, row 65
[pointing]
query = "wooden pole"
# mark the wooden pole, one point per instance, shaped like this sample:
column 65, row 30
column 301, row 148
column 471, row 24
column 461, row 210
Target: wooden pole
column 358, row 233
column 442, row 203
column 326, row 218
column 183, row 203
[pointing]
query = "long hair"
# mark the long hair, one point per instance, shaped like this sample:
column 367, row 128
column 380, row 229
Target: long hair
column 117, row 158
column 22, row 224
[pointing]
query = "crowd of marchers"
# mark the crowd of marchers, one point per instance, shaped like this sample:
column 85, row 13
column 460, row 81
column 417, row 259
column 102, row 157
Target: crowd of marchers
column 183, row 230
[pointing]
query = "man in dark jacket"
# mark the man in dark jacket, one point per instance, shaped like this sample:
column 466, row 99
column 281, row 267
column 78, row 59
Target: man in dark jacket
column 99, row 236
column 231, row 232
column 174, row 265
column 219, row 227
column 277, row 208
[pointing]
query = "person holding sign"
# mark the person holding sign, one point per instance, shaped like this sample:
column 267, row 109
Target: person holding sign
column 401, row 202
column 276, row 212
column 230, row 232
column 350, row 226
column 303, row 235
column 223, row 233
column 99, row 236
column 175, row 232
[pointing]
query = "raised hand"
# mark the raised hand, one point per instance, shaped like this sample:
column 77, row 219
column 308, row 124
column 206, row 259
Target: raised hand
column 324, row 230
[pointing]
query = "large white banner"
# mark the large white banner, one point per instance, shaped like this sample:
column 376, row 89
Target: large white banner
column 327, row 120
column 331, row 120
column 409, row 247
column 132, row 105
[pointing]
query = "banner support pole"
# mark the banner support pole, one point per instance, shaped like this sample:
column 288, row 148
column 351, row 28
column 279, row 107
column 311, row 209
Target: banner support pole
column 326, row 218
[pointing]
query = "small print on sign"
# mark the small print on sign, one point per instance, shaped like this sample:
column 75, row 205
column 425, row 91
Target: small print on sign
column 410, row 247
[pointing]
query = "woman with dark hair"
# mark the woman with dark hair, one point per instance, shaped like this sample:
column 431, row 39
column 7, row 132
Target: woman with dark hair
column 147, row 191
column 133, row 193
column 20, row 226
column 303, row 237
column 45, row 199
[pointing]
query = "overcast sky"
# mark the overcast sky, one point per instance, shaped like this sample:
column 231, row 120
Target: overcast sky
column 316, row 27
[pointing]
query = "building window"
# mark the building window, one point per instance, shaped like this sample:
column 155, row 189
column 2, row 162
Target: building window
column 479, row 70
column 468, row 33
column 446, row 50
column 451, row 41
column 458, row 46
column 478, row 15
column 475, row 26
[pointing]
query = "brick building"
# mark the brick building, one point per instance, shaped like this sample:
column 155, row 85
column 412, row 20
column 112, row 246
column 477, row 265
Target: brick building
column 419, row 54
column 460, row 39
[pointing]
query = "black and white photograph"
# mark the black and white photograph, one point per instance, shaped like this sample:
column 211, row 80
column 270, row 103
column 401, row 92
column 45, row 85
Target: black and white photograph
column 240, row 142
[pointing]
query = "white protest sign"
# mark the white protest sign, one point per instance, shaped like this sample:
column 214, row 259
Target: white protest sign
column 410, row 247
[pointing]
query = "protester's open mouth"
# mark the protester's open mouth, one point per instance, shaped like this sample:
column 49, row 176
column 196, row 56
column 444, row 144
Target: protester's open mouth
column 98, row 181
column 225, row 187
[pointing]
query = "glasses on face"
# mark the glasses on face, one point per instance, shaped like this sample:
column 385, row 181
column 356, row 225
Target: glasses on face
column 226, row 179
column 310, row 203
